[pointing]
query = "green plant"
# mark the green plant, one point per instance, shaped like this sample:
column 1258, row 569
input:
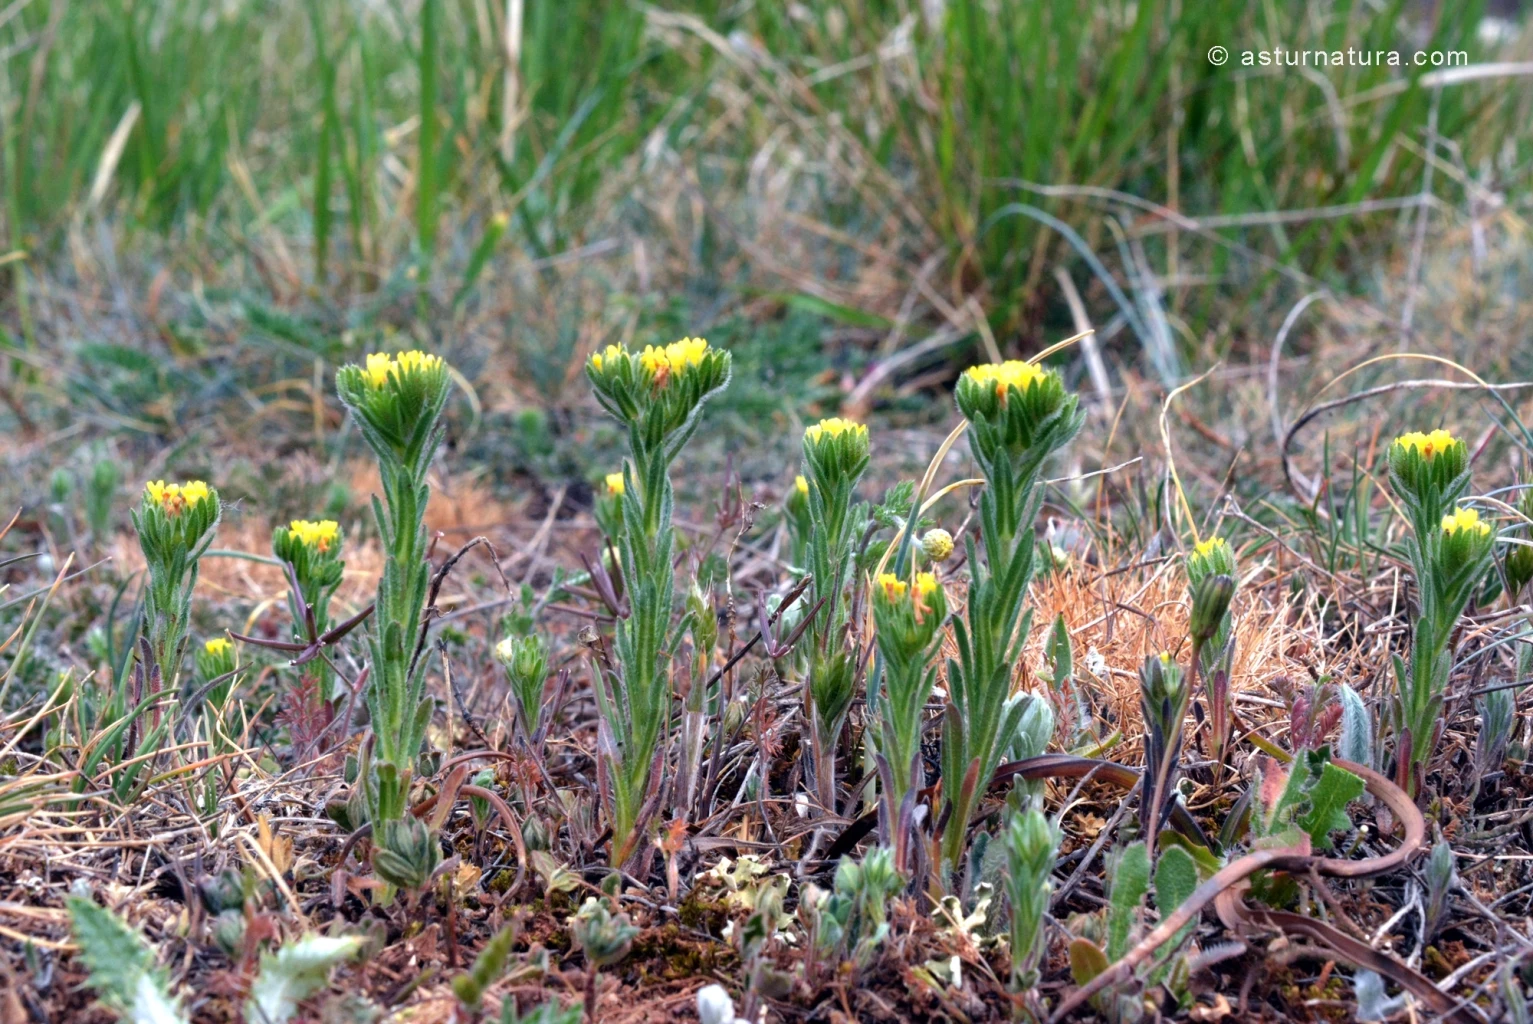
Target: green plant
column 1018, row 416
column 175, row 524
column 397, row 403
column 1450, row 550
column 658, row 395
column 487, row 968
column 122, row 967
column 101, row 498
column 1210, row 588
column 526, row 663
column 908, row 619
column 835, row 457
column 1032, row 844
column 312, row 553
column 293, row 972
column 850, row 922
column 1067, row 692
column 1163, row 694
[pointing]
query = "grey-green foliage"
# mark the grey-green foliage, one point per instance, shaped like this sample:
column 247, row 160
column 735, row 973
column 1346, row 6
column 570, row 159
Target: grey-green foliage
column 1439, row 877
column 122, row 968
column 851, row 922
column 1498, row 711
column 1130, row 880
column 469, row 986
column 1355, row 742
column 101, row 497
column 295, row 971
column 1032, row 844
column 1035, row 728
column 549, row 1013
column 1511, row 994
column 604, row 937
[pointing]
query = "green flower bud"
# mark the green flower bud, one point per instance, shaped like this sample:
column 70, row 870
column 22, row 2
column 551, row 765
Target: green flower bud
column 223, row 891
column 398, row 401
column 526, row 662
column 937, row 544
column 604, row 938
column 1032, row 844
column 229, row 932
column 1211, row 557
column 1210, row 601
column 1518, row 560
column 1017, row 403
column 1429, row 472
column 659, row 389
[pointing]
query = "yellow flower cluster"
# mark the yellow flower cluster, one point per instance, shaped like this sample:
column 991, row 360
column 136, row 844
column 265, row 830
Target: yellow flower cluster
column 614, row 483
column 894, row 587
column 217, row 646
column 1464, row 519
column 1212, row 544
column 381, row 365
column 610, row 352
column 678, row 355
column 1427, row 445
column 318, row 536
column 174, row 498
column 926, row 585
column 834, row 427
column 801, row 485
column 1014, row 373
column 658, row 361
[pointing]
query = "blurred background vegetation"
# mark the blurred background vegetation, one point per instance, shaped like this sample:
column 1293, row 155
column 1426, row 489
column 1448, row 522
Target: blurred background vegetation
column 210, row 203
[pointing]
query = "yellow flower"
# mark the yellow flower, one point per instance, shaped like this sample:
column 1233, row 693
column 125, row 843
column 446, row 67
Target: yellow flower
column 377, row 369
column 318, row 536
column 926, row 585
column 1014, row 373
column 1464, row 519
column 611, row 352
column 801, row 485
column 380, row 366
column 413, row 360
column 1427, row 445
column 1209, row 546
column 615, row 483
column 686, row 352
column 835, row 426
column 894, row 587
column 173, row 498
column 217, row 646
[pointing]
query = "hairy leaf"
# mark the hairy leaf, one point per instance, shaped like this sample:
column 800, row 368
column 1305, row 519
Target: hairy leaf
column 293, row 973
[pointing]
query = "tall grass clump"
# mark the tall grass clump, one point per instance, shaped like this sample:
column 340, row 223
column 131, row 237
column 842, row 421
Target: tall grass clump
column 658, row 396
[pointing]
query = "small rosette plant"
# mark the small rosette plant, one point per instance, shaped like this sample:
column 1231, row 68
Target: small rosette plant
column 836, row 455
column 312, row 551
column 398, row 402
column 1019, row 415
column 175, row 524
column 658, row 395
column 908, row 618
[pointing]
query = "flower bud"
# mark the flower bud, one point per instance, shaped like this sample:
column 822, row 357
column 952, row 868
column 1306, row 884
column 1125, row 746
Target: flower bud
column 526, row 662
column 604, row 938
column 937, row 544
column 1210, row 601
column 1429, row 471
